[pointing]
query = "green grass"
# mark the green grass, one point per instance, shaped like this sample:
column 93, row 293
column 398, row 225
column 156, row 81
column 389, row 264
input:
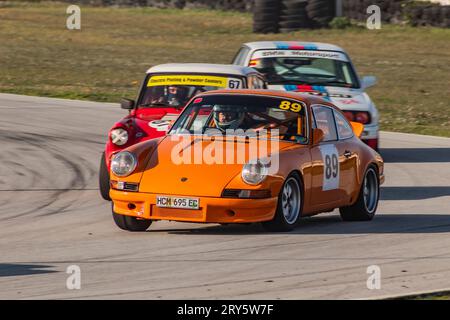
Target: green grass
column 108, row 57
column 440, row 295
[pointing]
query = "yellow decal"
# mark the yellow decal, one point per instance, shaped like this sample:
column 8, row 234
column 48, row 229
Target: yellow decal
column 290, row 106
column 188, row 80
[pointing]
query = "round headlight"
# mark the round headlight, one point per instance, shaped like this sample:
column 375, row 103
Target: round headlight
column 254, row 173
column 123, row 163
column 119, row 136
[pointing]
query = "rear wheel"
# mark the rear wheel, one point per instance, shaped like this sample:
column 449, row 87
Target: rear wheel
column 103, row 179
column 365, row 206
column 289, row 205
column 131, row 223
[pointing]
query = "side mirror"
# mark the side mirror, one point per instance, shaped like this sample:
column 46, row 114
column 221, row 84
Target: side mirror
column 126, row 104
column 368, row 81
column 318, row 135
column 357, row 128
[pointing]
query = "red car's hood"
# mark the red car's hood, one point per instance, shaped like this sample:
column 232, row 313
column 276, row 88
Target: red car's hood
column 147, row 123
column 154, row 122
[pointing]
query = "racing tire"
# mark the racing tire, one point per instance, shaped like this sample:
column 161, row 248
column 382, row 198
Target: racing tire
column 266, row 14
column 131, row 223
column 103, row 179
column 289, row 207
column 366, row 205
column 321, row 11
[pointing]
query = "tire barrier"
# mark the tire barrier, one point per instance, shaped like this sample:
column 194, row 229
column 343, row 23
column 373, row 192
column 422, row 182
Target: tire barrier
column 294, row 16
column 415, row 13
column 266, row 16
column 271, row 16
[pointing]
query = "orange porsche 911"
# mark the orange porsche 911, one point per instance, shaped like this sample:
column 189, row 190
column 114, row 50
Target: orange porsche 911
column 244, row 156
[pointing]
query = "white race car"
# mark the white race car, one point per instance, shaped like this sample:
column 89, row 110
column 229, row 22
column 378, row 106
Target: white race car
column 316, row 68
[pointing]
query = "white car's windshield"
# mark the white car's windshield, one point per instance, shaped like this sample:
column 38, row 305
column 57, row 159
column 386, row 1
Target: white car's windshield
column 297, row 70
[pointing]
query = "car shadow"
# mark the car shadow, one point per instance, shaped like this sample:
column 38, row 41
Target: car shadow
column 411, row 155
column 413, row 193
column 332, row 224
column 12, row 269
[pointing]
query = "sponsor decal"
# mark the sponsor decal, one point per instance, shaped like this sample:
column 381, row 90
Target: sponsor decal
column 164, row 123
column 349, row 101
column 334, row 55
column 306, row 88
column 294, row 46
column 194, row 80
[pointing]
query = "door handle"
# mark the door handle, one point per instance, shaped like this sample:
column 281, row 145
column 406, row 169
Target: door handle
column 348, row 154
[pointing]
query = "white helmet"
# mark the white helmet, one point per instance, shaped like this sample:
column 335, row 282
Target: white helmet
column 233, row 118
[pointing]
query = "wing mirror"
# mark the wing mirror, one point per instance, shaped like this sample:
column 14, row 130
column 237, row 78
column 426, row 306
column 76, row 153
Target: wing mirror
column 318, row 136
column 357, row 128
column 368, row 81
column 126, row 104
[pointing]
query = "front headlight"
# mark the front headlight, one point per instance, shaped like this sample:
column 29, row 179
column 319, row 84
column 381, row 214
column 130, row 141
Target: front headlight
column 119, row 136
column 123, row 163
column 254, row 173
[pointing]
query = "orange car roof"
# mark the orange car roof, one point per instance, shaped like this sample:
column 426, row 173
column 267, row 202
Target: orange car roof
column 304, row 97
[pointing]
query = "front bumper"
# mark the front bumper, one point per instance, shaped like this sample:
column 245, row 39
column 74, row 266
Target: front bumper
column 212, row 210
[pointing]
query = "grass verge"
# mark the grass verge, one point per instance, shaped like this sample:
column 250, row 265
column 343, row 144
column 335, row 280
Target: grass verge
column 107, row 58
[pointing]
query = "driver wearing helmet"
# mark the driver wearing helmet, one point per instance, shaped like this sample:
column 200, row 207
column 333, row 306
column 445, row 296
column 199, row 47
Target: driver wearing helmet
column 176, row 96
column 226, row 117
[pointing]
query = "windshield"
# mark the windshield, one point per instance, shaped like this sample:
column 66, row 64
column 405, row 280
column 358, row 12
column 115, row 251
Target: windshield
column 296, row 67
column 176, row 90
column 279, row 118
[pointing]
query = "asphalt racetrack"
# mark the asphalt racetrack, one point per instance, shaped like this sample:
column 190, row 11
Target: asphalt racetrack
column 52, row 216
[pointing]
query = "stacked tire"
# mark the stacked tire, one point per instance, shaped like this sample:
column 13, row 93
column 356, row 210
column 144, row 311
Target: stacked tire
column 429, row 15
column 321, row 12
column 294, row 16
column 266, row 15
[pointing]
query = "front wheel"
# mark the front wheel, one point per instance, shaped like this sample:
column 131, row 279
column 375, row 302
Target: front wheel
column 365, row 206
column 131, row 223
column 103, row 179
column 289, row 205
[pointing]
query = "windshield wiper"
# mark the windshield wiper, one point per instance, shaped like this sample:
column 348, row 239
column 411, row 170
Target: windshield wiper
column 294, row 82
column 324, row 83
column 158, row 104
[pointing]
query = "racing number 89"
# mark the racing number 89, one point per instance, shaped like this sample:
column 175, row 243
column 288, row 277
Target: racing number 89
column 331, row 166
column 291, row 106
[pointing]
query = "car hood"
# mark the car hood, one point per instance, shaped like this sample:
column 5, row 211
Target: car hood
column 343, row 98
column 166, row 175
column 154, row 122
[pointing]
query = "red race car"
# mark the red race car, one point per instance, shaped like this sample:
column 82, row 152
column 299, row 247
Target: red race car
column 164, row 92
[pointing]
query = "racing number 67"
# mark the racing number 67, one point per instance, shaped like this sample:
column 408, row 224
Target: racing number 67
column 331, row 166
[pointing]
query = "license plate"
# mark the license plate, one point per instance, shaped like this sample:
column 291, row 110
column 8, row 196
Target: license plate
column 177, row 202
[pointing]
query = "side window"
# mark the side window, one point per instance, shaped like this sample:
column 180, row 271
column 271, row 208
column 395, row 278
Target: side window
column 324, row 119
column 239, row 58
column 344, row 129
column 254, row 82
column 262, row 83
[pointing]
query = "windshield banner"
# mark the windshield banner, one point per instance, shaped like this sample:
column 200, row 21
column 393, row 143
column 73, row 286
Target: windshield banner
column 194, row 80
column 299, row 53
